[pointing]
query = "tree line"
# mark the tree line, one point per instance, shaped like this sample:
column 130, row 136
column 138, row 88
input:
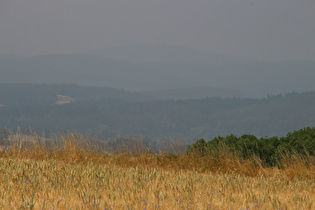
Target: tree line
column 269, row 150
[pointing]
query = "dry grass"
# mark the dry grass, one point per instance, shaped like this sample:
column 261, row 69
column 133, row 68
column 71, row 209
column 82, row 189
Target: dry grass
column 72, row 175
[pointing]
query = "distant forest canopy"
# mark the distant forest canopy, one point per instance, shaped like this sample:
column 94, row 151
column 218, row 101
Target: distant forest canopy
column 18, row 94
column 46, row 94
column 107, row 112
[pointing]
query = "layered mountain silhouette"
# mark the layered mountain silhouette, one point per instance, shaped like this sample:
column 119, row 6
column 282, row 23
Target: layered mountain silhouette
column 165, row 69
column 161, row 53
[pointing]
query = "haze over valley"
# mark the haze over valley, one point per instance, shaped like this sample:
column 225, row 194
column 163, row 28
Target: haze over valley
column 137, row 104
column 163, row 69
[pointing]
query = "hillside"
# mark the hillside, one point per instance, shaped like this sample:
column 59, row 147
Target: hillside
column 192, row 93
column 187, row 120
column 19, row 94
column 46, row 94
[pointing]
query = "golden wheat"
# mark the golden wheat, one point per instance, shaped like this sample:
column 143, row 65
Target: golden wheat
column 71, row 177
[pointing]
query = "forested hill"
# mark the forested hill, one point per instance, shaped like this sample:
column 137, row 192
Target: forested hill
column 47, row 94
column 185, row 119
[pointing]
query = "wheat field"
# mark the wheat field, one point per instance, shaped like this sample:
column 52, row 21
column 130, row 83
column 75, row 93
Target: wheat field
column 71, row 176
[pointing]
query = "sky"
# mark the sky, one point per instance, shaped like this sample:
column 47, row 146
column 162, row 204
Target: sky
column 271, row 30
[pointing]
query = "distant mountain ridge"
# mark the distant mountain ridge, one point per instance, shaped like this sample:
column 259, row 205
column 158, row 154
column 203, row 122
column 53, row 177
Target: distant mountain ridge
column 9, row 57
column 161, row 53
column 193, row 93
column 49, row 94
column 248, row 79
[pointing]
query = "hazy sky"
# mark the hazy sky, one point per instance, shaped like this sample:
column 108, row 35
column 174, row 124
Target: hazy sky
column 263, row 29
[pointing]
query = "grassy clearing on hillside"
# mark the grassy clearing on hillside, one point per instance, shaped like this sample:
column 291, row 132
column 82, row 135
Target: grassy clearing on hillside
column 74, row 175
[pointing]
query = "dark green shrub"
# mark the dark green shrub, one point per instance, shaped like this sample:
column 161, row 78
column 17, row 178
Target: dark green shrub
column 269, row 150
